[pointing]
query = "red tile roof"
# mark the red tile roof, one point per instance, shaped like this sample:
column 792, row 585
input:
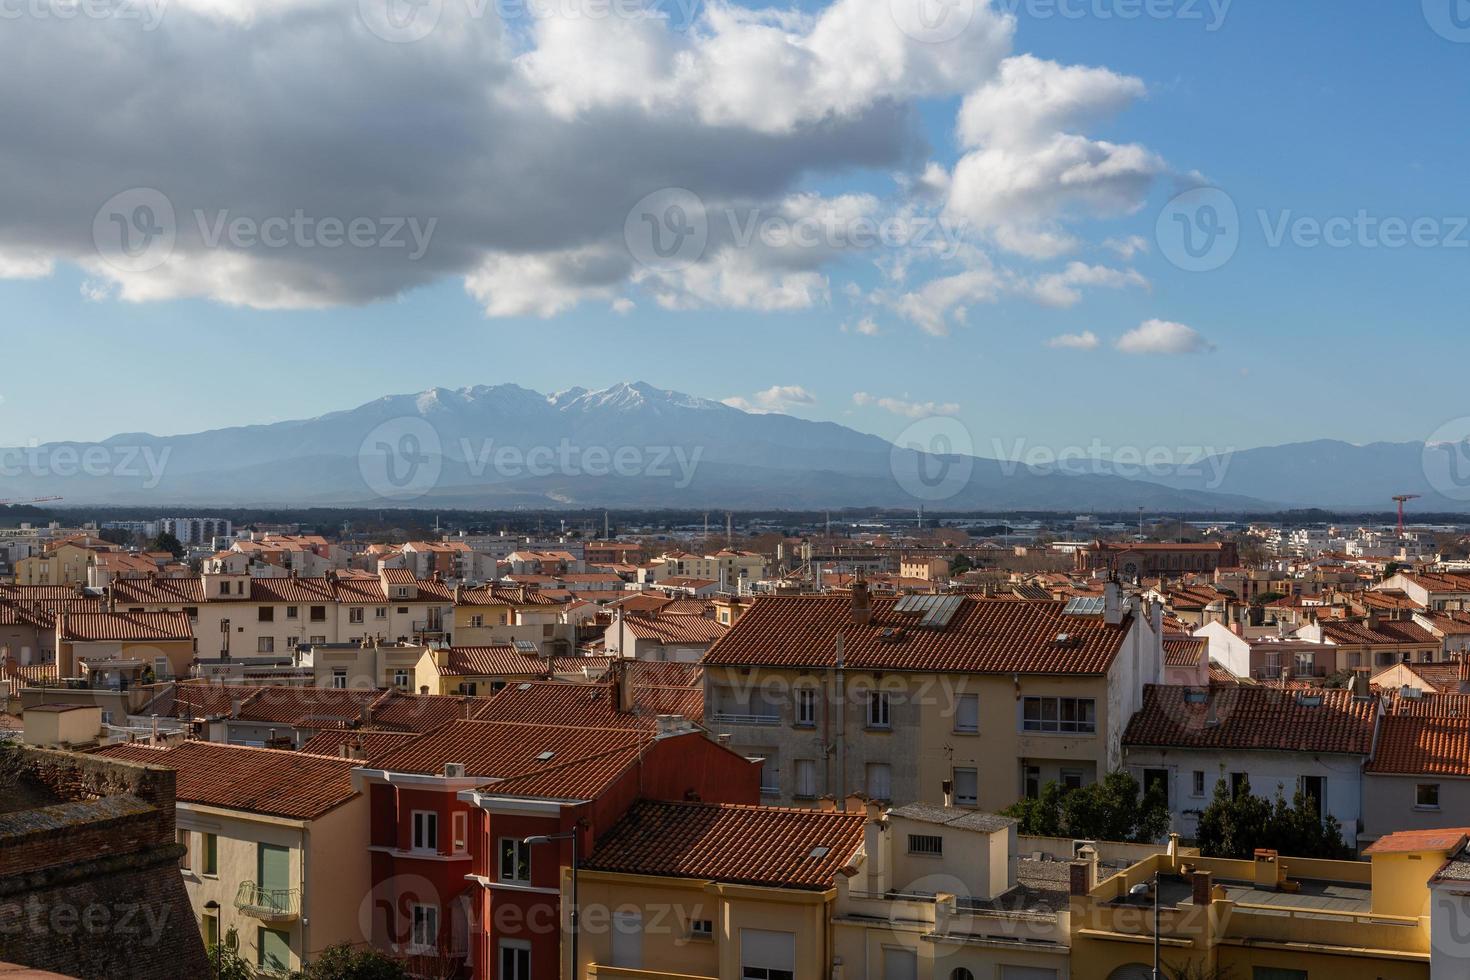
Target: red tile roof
column 236, row 777
column 1184, row 651
column 1442, row 677
column 665, row 673
column 1427, row 746
column 1428, row 705
column 751, row 845
column 103, row 626
column 503, row 659
column 592, row 705
column 375, row 745
column 985, row 635
column 1253, row 718
column 666, row 628
column 502, row 750
column 1386, row 633
column 1407, row 841
column 502, row 595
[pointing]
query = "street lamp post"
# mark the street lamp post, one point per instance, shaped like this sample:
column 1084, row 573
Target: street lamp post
column 1143, row 888
column 572, row 836
column 213, row 906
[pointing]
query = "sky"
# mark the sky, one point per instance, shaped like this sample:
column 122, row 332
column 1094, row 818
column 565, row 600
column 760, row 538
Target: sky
column 1067, row 223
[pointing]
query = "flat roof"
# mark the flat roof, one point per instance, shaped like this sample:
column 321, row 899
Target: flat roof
column 55, row 708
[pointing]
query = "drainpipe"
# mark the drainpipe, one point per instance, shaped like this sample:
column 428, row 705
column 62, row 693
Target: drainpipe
column 841, row 727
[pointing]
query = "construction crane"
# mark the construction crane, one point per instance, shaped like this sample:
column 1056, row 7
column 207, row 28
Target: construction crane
column 33, row 500
column 1402, row 499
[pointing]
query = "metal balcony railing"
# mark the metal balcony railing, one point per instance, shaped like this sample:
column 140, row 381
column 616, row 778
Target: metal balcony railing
column 726, row 718
column 268, row 904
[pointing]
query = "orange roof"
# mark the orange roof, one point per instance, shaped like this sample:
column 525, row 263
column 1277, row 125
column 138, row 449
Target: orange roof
column 1262, row 718
column 504, row 660
column 505, row 749
column 751, row 845
column 102, row 626
column 667, row 628
column 592, row 705
column 294, row 785
column 985, row 635
column 375, row 745
column 1406, row 841
column 1184, row 651
column 1419, row 745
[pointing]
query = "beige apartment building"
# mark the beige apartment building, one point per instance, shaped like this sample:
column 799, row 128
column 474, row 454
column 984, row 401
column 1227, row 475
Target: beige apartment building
column 901, row 699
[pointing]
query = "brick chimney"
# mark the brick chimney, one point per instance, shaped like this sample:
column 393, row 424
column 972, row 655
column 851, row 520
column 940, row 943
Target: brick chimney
column 861, row 603
column 1203, row 888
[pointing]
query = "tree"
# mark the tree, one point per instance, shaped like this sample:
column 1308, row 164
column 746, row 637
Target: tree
column 232, row 965
column 1235, row 824
column 347, row 962
column 1115, row 809
column 166, row 541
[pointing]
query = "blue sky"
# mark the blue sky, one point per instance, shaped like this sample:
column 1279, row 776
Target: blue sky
column 1309, row 110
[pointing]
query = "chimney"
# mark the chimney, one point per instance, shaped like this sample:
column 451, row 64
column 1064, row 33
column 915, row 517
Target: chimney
column 622, row 681
column 862, row 602
column 1464, row 667
column 1202, row 888
column 947, row 788
column 1082, row 875
column 1112, row 603
column 66, row 660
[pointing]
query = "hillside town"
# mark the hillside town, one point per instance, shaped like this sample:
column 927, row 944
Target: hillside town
column 885, row 747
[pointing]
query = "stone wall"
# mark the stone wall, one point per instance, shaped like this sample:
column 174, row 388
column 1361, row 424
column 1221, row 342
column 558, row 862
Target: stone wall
column 90, row 887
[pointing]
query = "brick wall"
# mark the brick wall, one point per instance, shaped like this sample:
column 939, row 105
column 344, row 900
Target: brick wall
column 90, row 887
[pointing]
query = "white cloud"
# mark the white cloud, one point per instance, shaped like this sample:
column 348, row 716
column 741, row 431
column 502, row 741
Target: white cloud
column 867, row 326
column 777, row 398
column 908, row 409
column 1163, row 337
column 1086, row 340
column 25, row 264
column 1127, row 247
column 1063, row 289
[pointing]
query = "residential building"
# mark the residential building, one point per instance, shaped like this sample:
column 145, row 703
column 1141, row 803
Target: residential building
column 1280, row 741
column 1419, row 775
column 662, row 634
column 117, row 649
column 1133, row 560
column 895, row 697
column 276, row 839
column 483, row 670
column 491, row 615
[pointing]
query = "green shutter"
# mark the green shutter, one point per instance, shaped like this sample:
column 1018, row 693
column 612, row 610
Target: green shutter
column 274, row 867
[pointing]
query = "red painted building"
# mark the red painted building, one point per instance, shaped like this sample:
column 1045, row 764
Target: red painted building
column 453, row 882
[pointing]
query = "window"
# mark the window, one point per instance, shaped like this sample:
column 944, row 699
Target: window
column 425, row 926
column 1071, row 779
column 401, row 679
column 209, row 927
column 702, row 929
column 806, row 778
column 267, row 614
column 767, row 955
column 210, row 857
column 515, row 860
column 354, row 614
column 380, row 612
column 900, row 964
column 928, row 844
column 806, row 706
column 1238, row 782
column 1313, row 788
column 468, row 687
column 183, row 837
column 1277, row 973
column 515, row 960
column 291, row 612
column 770, row 777
column 967, row 714
column 966, row 787
column 477, row 620
column 425, row 830
column 960, row 973
column 879, row 781
column 318, row 614
column 1426, row 796
column 878, row 709
column 461, row 823
column 1068, row 716
column 339, row 677
column 1031, row 782
column 1197, row 786
column 273, row 952
column 265, row 644
column 1156, row 777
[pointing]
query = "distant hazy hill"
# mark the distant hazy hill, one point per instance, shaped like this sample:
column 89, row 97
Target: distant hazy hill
column 628, row 445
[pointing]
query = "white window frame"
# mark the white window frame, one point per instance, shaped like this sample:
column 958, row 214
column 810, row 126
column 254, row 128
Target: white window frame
column 517, row 946
column 1418, row 796
column 963, row 727
column 427, row 916
column 423, row 829
column 1197, row 784
column 806, row 779
column 520, row 851
column 339, row 678
column 1054, row 725
column 880, row 710
column 868, row 771
column 460, row 823
column 806, row 707
column 972, row 799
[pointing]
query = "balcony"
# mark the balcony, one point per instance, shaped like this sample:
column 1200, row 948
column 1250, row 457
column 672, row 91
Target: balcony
column 268, row 904
column 765, row 721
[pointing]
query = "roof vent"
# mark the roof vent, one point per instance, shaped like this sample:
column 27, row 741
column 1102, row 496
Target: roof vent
column 893, row 634
column 454, row 770
column 545, row 756
column 819, row 851
column 1309, row 700
column 1195, row 696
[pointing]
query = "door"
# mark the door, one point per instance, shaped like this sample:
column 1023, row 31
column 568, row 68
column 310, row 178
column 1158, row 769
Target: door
column 273, row 873
column 627, row 940
column 900, row 964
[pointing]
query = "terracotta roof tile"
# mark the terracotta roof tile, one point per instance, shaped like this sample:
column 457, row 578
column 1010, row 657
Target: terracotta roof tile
column 236, row 777
column 1438, row 746
column 103, row 626
column 1407, row 841
column 985, row 635
column 725, row 842
column 1318, row 720
column 592, row 705
column 502, row 749
column 375, row 745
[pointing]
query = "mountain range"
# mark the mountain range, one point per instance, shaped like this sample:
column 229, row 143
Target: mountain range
column 633, row 445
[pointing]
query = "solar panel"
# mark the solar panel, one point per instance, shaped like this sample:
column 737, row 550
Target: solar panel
column 1084, row 606
column 525, row 646
column 932, row 611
